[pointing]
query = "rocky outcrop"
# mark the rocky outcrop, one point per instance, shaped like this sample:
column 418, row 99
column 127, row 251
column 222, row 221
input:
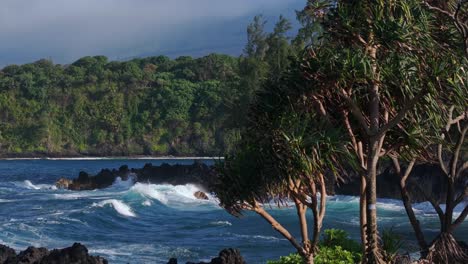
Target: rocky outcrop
column 7, row 254
column 426, row 180
column 200, row 195
column 226, row 256
column 103, row 179
column 32, row 255
column 76, row 254
column 197, row 173
column 63, row 183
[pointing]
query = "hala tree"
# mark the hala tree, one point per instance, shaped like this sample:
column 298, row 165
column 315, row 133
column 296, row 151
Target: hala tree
column 284, row 155
column 378, row 63
column 438, row 136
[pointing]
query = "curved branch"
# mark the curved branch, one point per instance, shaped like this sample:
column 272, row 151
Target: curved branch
column 401, row 114
column 278, row 227
column 357, row 113
column 456, row 154
column 459, row 220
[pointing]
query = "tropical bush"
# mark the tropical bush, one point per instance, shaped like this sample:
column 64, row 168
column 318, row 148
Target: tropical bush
column 335, row 248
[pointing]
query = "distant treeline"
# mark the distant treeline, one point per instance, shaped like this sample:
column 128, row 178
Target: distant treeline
column 145, row 106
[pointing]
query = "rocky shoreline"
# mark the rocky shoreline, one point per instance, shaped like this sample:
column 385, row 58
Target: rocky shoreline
column 76, row 254
column 425, row 181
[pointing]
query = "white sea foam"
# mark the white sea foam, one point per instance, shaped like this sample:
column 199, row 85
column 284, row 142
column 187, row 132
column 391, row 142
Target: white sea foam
column 29, row 185
column 111, row 252
column 118, row 205
column 169, row 194
column 121, row 184
column 221, row 223
column 259, row 237
column 147, row 203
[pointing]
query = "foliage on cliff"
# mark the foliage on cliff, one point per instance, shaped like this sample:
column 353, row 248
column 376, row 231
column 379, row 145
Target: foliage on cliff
column 153, row 105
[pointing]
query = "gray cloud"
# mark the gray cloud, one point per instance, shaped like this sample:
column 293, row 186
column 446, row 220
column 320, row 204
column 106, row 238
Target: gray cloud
column 68, row 29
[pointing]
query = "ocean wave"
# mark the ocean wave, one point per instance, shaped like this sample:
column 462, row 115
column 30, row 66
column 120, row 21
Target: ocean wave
column 259, row 237
column 118, row 205
column 29, row 185
column 221, row 223
column 120, row 184
column 147, row 203
column 169, row 194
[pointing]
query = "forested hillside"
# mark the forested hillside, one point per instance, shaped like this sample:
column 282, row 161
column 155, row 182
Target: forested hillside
column 145, row 106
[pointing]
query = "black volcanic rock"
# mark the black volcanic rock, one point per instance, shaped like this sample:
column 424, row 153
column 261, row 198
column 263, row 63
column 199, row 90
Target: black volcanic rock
column 226, row 256
column 76, row 254
column 197, row 173
column 229, row 256
column 426, row 180
column 32, row 255
column 7, row 254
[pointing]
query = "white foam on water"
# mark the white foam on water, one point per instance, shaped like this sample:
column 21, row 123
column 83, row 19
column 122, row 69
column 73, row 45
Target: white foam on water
column 120, row 184
column 259, row 237
column 171, row 195
column 29, row 185
column 118, row 205
column 221, row 223
column 111, row 252
column 147, row 203
column 149, row 191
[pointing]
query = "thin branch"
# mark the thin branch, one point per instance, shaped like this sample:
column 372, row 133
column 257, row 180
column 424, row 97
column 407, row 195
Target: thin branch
column 461, row 197
column 301, row 213
column 459, row 219
column 408, row 171
column 278, row 227
column 323, row 198
column 357, row 113
column 456, row 154
column 401, row 114
column 441, row 160
column 434, row 204
column 440, row 10
column 463, row 167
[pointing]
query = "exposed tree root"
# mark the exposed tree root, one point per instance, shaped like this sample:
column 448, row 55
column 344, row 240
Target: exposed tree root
column 446, row 249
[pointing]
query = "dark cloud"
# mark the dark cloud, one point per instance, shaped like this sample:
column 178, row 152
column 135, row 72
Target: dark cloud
column 65, row 30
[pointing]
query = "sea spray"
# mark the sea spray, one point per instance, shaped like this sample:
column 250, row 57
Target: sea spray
column 118, row 205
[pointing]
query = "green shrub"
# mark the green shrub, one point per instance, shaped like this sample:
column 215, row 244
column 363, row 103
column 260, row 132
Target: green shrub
column 291, row 259
column 337, row 237
column 392, row 243
column 335, row 248
column 335, row 255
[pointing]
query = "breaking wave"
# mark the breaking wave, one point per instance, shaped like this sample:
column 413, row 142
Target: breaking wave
column 119, row 206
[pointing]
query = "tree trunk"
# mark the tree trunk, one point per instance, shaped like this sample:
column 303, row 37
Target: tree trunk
column 363, row 213
column 448, row 205
column 372, row 252
column 413, row 220
column 309, row 259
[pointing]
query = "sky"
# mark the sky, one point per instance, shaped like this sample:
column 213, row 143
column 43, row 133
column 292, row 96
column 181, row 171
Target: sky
column 65, row 30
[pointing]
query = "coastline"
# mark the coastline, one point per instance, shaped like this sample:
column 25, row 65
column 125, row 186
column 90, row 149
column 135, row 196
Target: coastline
column 116, row 158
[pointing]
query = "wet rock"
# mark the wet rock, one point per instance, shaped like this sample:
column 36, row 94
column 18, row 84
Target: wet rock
column 172, row 261
column 226, row 256
column 229, row 256
column 200, row 195
column 76, row 254
column 197, row 173
column 63, row 183
column 32, row 255
column 7, row 254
